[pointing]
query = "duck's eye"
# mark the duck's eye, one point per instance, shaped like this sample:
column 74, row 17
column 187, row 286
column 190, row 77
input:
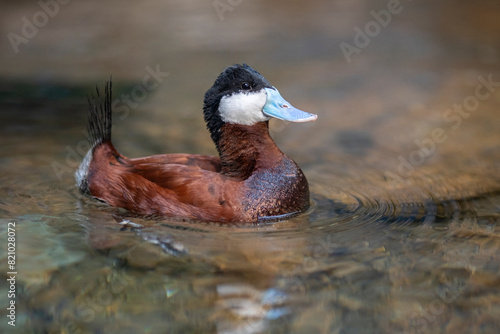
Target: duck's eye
column 246, row 86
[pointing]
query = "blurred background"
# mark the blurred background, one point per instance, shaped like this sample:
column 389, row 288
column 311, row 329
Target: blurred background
column 407, row 94
column 381, row 75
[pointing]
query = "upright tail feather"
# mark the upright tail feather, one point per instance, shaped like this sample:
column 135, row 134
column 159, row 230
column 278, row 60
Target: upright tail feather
column 100, row 116
column 99, row 130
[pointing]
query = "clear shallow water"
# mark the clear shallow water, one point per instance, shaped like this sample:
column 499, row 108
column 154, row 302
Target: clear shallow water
column 371, row 255
column 360, row 260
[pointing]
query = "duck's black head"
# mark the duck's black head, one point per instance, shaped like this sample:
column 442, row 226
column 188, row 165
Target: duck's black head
column 241, row 95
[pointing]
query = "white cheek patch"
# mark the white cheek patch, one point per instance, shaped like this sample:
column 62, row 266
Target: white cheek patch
column 243, row 108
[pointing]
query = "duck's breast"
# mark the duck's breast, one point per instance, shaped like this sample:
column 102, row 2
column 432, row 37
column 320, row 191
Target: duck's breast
column 277, row 190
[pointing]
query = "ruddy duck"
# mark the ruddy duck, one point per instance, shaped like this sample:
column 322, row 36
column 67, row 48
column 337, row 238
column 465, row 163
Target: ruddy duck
column 251, row 179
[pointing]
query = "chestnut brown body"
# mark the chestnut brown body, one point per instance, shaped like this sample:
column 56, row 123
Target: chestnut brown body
column 251, row 180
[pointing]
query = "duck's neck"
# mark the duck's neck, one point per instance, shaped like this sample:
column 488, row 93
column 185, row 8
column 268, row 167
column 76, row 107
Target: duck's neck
column 243, row 148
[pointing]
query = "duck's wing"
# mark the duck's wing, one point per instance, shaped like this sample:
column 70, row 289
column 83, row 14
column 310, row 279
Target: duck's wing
column 157, row 188
column 205, row 162
column 173, row 176
column 172, row 171
column 187, row 182
column 170, row 189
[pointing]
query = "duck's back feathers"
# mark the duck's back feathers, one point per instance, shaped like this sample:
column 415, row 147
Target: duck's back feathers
column 206, row 162
column 164, row 189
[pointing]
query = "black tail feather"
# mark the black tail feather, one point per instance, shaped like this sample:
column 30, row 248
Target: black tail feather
column 99, row 131
column 100, row 116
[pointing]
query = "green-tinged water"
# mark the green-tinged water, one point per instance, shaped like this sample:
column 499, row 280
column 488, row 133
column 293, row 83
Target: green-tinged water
column 403, row 234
